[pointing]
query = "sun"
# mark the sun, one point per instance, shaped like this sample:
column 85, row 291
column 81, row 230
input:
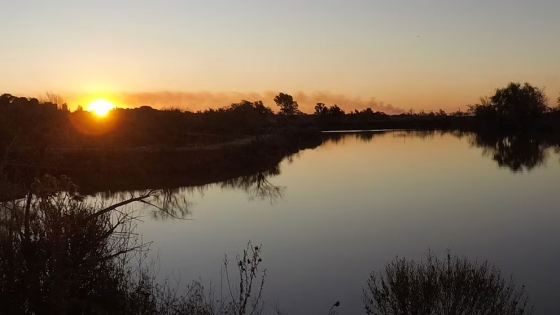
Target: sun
column 100, row 107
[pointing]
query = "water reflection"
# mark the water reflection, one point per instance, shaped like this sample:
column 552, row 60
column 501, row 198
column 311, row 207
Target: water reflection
column 346, row 203
column 175, row 203
column 340, row 137
column 517, row 152
column 163, row 204
column 258, row 186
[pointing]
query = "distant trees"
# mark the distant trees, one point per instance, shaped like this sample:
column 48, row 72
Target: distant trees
column 243, row 107
column 368, row 113
column 244, row 117
column 514, row 103
column 54, row 98
column 441, row 113
column 256, row 107
column 336, row 111
column 321, row 109
column 46, row 122
column 28, row 120
column 287, row 104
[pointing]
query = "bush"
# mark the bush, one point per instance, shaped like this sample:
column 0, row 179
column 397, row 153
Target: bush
column 451, row 286
column 64, row 255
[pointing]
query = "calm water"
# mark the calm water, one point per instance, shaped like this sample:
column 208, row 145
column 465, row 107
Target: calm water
column 335, row 213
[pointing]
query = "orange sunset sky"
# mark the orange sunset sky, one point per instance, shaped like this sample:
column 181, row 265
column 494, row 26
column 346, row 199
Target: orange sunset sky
column 388, row 55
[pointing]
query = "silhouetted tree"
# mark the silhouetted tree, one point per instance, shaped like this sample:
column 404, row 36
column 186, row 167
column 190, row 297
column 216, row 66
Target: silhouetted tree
column 336, row 111
column 515, row 103
column 458, row 113
column 6, row 99
column 368, row 113
column 320, row 109
column 333, row 111
column 287, row 104
column 256, row 107
column 56, row 99
column 441, row 113
column 483, row 110
column 240, row 118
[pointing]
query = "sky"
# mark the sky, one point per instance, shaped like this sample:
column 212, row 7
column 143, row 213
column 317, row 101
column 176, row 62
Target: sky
column 391, row 55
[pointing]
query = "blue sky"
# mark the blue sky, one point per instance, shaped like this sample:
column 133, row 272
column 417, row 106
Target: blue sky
column 412, row 54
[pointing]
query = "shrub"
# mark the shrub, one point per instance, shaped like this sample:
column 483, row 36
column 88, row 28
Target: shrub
column 454, row 285
column 64, row 255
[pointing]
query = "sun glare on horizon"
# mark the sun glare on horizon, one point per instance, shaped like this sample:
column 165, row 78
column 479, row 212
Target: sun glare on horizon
column 100, row 107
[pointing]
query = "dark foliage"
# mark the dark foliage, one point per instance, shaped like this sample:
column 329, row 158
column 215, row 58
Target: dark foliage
column 513, row 104
column 454, row 285
column 239, row 118
column 61, row 255
column 287, row 104
column 322, row 110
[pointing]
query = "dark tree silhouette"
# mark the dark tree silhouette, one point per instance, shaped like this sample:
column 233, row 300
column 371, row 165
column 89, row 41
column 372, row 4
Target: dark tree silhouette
column 320, row 109
column 336, row 111
column 515, row 103
column 256, row 107
column 521, row 101
column 287, row 104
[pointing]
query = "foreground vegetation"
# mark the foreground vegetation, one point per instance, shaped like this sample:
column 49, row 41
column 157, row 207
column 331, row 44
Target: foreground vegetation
column 62, row 255
column 454, row 285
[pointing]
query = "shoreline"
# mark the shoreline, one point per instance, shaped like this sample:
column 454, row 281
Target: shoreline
column 99, row 170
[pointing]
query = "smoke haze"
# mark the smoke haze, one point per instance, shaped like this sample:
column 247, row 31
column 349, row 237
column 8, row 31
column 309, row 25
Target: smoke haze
column 195, row 101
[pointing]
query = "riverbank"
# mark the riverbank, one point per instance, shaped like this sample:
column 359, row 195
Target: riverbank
column 548, row 123
column 124, row 169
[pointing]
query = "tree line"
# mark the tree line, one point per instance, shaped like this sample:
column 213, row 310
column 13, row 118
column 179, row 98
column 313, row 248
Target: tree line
column 48, row 123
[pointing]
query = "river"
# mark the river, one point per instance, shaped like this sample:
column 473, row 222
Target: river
column 329, row 216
